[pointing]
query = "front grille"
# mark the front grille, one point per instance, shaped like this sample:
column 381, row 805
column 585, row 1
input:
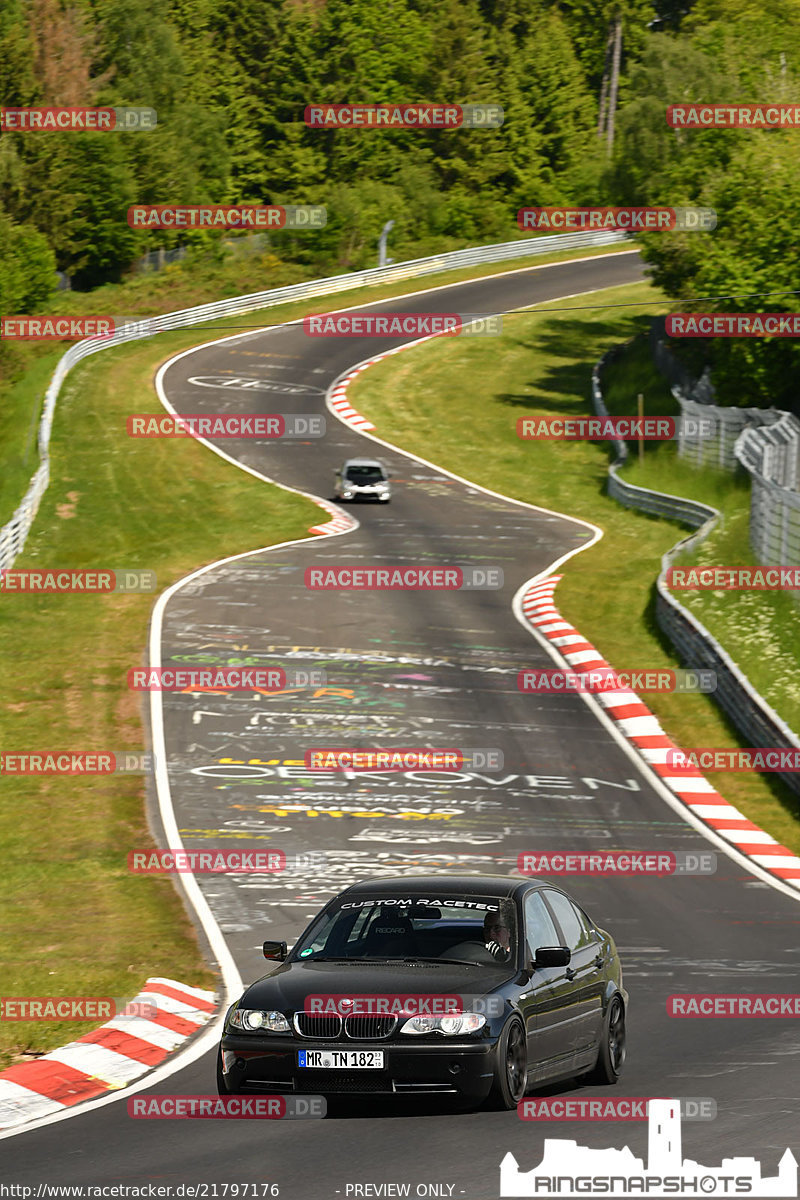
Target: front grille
column 318, row 1025
column 366, row 1027
column 333, row 1081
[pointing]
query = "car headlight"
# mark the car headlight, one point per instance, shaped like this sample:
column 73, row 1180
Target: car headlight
column 449, row 1026
column 347, row 494
column 254, row 1019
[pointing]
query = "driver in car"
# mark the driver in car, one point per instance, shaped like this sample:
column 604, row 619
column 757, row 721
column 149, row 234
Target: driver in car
column 497, row 935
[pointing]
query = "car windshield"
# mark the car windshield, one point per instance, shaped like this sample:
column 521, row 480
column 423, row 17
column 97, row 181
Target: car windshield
column 365, row 474
column 413, row 927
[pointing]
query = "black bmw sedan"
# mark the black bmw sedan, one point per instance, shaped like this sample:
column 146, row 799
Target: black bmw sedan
column 473, row 986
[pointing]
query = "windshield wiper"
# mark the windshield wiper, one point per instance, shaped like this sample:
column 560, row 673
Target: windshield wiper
column 331, row 958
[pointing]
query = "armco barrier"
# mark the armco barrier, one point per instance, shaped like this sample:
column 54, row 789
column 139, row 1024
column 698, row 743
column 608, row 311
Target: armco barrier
column 772, row 456
column 697, row 648
column 696, row 399
column 766, row 441
column 14, row 534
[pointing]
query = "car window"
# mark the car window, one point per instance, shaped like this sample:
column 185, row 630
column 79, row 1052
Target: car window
column 365, row 474
column 572, row 924
column 539, row 927
column 415, row 925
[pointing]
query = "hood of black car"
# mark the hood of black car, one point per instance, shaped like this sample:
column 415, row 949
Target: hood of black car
column 289, row 987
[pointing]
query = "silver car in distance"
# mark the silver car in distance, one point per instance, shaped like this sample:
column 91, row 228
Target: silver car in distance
column 363, row 478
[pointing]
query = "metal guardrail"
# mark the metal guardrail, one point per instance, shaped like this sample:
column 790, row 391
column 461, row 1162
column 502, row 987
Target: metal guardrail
column 772, row 456
column 14, row 534
column 755, row 719
column 696, row 399
column 765, row 441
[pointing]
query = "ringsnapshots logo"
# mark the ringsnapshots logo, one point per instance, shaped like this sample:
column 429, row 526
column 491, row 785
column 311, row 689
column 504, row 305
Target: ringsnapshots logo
column 63, row 580
column 70, row 120
column 554, row 680
column 149, row 1107
column 74, row 1008
column 75, row 762
column 733, row 325
column 226, row 425
column 631, row 220
column 733, row 116
column 617, row 862
column 417, row 325
column 733, row 579
column 625, row 429
column 222, row 679
column 403, row 578
column 568, row 1169
column 334, row 758
column 419, row 117
column 227, row 216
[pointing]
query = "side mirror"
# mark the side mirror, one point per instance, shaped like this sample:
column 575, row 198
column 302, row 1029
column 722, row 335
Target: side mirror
column 276, row 951
column 552, row 956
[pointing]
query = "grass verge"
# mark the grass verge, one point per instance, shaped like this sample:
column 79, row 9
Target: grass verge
column 75, row 922
column 542, row 366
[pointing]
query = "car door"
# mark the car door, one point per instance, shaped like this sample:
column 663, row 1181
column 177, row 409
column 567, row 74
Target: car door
column 585, row 972
column 545, row 1001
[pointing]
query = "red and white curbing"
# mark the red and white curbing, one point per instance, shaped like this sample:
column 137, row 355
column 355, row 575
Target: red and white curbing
column 337, row 399
column 644, row 732
column 108, row 1058
column 339, row 523
column 341, row 405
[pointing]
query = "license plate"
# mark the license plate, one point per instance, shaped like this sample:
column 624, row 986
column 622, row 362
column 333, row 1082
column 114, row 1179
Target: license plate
column 365, row 1060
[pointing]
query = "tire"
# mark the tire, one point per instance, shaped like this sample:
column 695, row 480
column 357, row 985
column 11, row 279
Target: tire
column 511, row 1067
column 612, row 1052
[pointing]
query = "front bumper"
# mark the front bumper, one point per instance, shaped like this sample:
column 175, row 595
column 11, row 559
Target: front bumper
column 457, row 1067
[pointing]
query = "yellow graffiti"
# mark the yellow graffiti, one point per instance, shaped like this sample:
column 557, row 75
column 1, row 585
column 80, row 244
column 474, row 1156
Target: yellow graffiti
column 403, row 815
